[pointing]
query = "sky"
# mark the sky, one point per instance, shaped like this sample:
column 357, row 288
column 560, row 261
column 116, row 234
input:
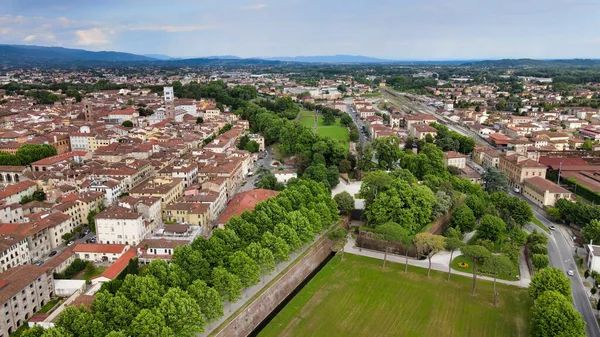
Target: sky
column 395, row 29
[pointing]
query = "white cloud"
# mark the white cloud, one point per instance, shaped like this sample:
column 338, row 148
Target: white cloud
column 173, row 29
column 29, row 38
column 94, row 36
column 254, row 7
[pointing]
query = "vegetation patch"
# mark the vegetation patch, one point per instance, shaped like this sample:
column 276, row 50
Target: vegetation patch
column 356, row 297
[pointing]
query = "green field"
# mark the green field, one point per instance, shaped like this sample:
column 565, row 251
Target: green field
column 335, row 131
column 357, row 297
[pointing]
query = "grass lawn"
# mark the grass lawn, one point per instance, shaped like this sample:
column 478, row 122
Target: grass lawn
column 469, row 269
column 540, row 224
column 335, row 131
column 357, row 297
column 47, row 306
column 89, row 273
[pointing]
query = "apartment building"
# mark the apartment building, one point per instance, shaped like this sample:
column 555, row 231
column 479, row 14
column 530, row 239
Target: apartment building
column 23, row 291
column 166, row 188
column 120, row 225
column 12, row 194
column 518, row 168
column 14, row 250
column 544, row 193
column 452, row 158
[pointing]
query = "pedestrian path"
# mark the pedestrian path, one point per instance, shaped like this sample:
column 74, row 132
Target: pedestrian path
column 439, row 262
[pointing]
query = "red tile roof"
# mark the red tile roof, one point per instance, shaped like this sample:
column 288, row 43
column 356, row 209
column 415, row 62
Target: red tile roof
column 245, row 201
column 99, row 248
column 118, row 266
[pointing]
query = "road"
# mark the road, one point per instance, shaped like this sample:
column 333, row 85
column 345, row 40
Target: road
column 561, row 254
column 356, row 119
column 64, row 246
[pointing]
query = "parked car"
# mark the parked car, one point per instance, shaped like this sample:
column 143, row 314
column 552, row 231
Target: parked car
column 70, row 243
column 39, row 263
column 517, row 189
column 52, row 253
column 86, row 232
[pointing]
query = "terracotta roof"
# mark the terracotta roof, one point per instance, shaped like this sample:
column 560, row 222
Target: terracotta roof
column 17, row 278
column 99, row 248
column 454, row 154
column 12, row 168
column 85, row 300
column 59, row 158
column 15, row 188
column 245, row 201
column 118, row 266
column 118, row 212
column 545, row 185
column 162, row 243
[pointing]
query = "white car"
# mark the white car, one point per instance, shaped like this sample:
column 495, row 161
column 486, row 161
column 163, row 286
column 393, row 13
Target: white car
column 570, row 273
column 70, row 243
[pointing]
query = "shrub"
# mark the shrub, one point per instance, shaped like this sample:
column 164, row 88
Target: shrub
column 539, row 249
column 540, row 261
column 75, row 267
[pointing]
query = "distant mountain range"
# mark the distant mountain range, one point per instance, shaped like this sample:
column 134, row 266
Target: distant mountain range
column 27, row 56
column 34, row 55
column 330, row 59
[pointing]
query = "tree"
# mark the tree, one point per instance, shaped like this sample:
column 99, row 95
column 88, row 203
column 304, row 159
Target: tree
column 491, row 228
column 373, row 183
column 227, row 284
column 443, row 203
column 452, row 244
column 246, row 269
column 537, row 238
column 387, row 152
column 346, row 120
column 549, row 279
column 494, row 180
column 478, row 255
column 289, row 235
column 252, row 146
column 199, row 120
column 540, row 261
column 225, row 128
column 587, row 145
column 497, row 264
column 328, row 119
column 463, row 219
column 80, row 322
column 390, row 233
column 553, row 315
column 429, row 244
column 208, row 299
column 149, row 323
column 345, row 202
column 277, row 245
column 477, row 204
column 144, row 291
column 116, row 311
column 182, row 314
column 127, row 124
column 591, row 232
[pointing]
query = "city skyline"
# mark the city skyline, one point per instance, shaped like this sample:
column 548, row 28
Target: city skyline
column 397, row 30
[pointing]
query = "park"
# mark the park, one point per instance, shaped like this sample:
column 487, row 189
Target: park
column 357, row 297
column 335, row 131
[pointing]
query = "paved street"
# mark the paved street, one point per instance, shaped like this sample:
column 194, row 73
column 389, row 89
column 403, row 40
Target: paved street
column 356, row 119
column 561, row 250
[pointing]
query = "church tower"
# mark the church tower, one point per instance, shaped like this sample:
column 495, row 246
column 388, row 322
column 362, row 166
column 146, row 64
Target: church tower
column 88, row 111
column 169, row 102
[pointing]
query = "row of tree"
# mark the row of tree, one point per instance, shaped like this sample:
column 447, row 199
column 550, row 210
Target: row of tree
column 177, row 299
column 27, row 154
column 448, row 140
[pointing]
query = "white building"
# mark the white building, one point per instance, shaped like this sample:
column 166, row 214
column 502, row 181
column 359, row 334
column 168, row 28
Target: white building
column 80, row 141
column 96, row 252
column 456, row 159
column 14, row 250
column 593, row 258
column 110, row 187
column 120, row 225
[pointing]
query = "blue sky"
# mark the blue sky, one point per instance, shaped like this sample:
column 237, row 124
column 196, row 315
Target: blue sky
column 401, row 29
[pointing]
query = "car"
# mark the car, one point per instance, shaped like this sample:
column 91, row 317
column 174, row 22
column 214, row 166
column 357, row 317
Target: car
column 86, row 232
column 52, row 253
column 552, row 227
column 39, row 263
column 517, row 189
column 92, row 241
column 70, row 243
column 570, row 273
